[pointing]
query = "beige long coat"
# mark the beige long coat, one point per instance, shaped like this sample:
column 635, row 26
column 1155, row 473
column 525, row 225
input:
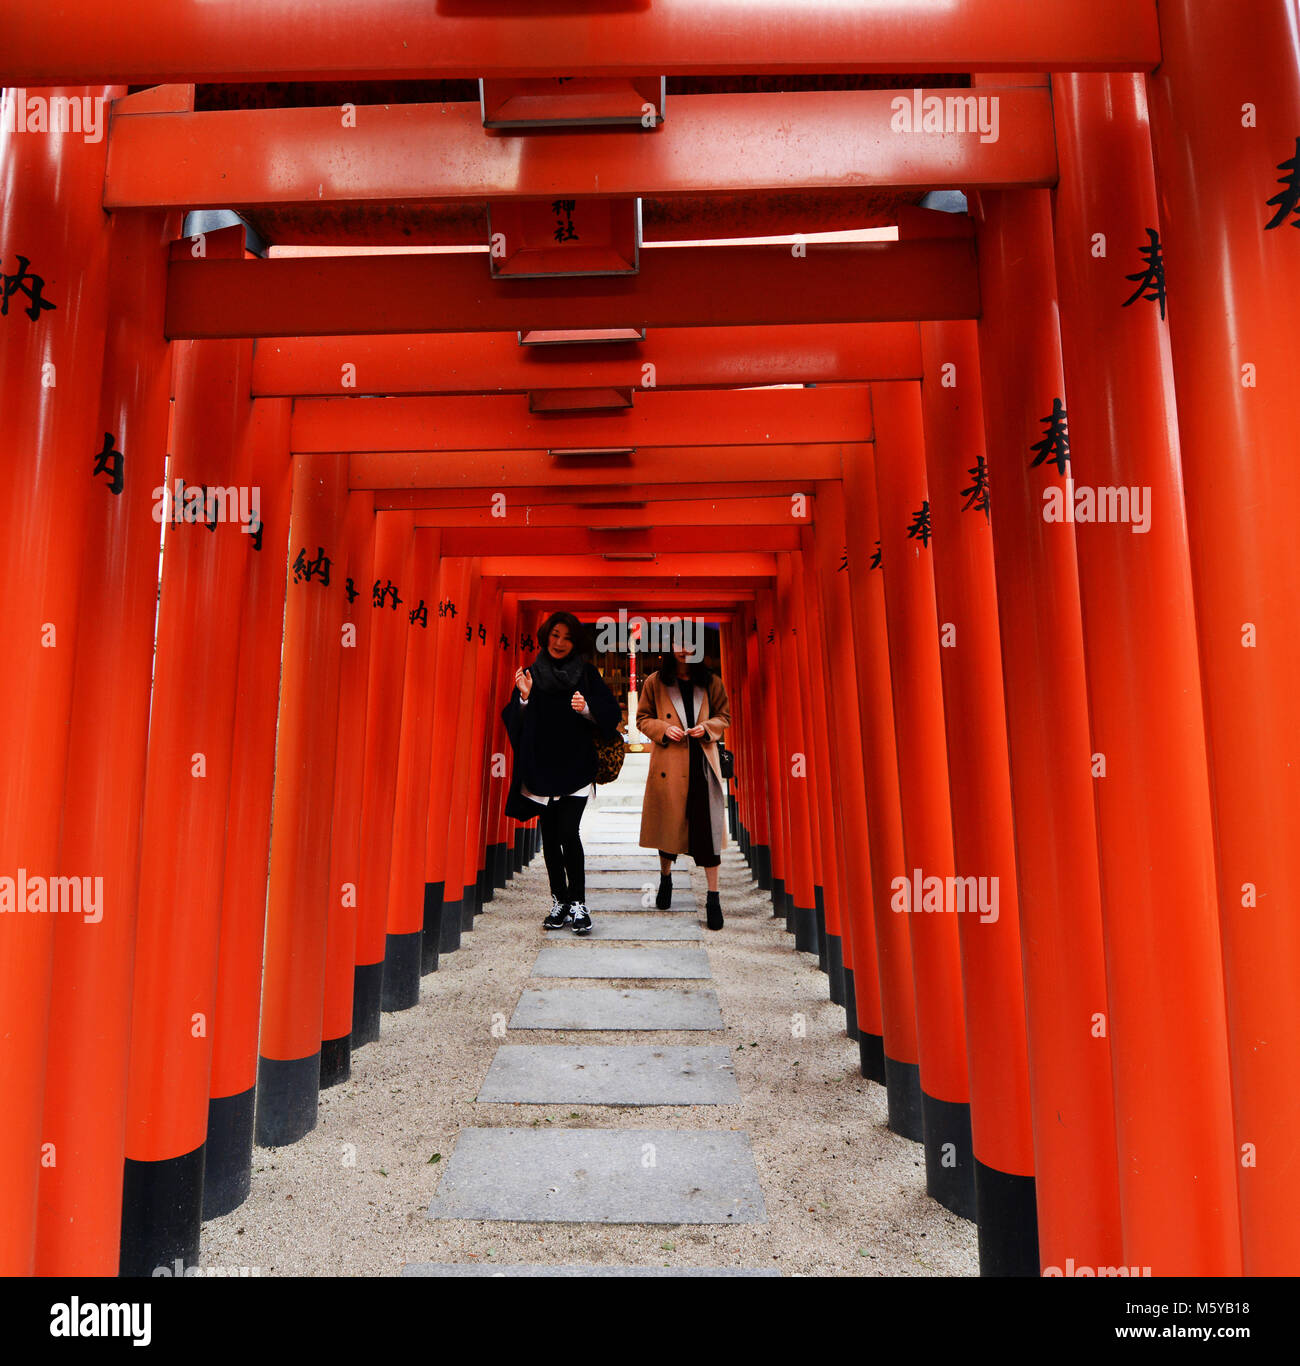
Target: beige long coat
column 663, row 812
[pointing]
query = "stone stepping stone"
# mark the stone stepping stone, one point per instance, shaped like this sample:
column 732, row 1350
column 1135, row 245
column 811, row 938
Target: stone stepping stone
column 659, row 925
column 633, row 879
column 629, row 1008
column 601, row 1176
column 572, row 960
column 637, row 900
column 611, row 1074
column 622, row 848
column 490, row 1268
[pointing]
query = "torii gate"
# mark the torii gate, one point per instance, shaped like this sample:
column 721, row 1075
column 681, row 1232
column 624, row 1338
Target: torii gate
column 1099, row 718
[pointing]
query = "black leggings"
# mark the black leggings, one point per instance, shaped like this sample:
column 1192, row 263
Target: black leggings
column 562, row 848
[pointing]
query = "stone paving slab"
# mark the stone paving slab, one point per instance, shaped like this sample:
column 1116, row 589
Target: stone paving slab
column 609, row 900
column 602, row 1176
column 601, row 848
column 490, row 1268
column 618, row 1008
column 573, row 960
column 618, row 1074
column 658, row 925
column 631, row 879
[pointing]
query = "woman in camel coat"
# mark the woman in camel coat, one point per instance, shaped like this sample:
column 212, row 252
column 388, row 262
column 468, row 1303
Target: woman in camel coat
column 683, row 710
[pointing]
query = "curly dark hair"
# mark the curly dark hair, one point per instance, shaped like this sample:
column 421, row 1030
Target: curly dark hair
column 577, row 633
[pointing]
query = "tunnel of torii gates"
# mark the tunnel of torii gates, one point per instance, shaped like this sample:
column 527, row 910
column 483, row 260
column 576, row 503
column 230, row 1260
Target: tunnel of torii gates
column 996, row 519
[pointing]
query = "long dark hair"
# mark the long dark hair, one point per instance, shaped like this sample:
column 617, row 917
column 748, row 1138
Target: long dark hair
column 577, row 633
column 697, row 670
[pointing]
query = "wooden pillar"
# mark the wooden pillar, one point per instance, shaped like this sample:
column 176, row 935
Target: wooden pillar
column 1224, row 107
column 299, row 892
column 1160, row 914
column 1048, row 737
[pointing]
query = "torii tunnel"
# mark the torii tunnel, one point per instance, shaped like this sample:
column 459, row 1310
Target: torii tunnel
column 941, row 357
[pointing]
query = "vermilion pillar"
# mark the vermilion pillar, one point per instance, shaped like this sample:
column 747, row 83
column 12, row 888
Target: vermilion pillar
column 454, row 592
column 861, row 981
column 980, row 794
column 389, row 633
column 485, row 634
column 187, row 788
column 756, row 758
column 826, row 888
column 1160, row 913
column 1048, row 739
column 800, row 763
column 505, row 827
column 357, row 580
column 402, row 949
column 931, row 916
column 90, row 1017
column 228, row 1156
column 796, row 760
column 1224, row 111
column 880, row 773
column 493, row 739
column 55, row 243
column 457, row 778
column 768, row 670
column 299, row 893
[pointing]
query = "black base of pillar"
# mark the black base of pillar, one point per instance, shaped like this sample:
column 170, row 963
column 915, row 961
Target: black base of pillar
column 367, row 997
column 778, row 896
column 850, row 1006
column 162, row 1209
column 287, row 1091
column 819, row 909
column 228, row 1166
column 402, row 971
column 1008, row 1222
column 763, row 866
column 835, row 967
column 500, row 865
column 949, row 1161
column 467, row 908
column 790, row 912
column 871, row 1060
column 517, row 853
column 432, row 937
column 453, row 915
column 805, row 929
column 903, row 1084
column 335, row 1061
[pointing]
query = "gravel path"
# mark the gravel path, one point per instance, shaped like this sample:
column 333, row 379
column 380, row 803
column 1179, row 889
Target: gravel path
column 844, row 1195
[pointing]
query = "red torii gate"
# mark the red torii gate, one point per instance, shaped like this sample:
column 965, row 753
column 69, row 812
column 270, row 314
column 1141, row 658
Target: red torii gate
column 1132, row 675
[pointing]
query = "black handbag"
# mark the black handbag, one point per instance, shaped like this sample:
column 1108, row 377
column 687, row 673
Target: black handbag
column 726, row 762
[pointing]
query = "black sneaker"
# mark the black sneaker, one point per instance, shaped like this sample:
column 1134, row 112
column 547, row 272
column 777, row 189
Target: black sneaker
column 561, row 914
column 580, row 920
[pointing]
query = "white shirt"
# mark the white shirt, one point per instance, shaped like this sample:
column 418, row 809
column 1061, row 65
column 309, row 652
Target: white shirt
column 581, row 792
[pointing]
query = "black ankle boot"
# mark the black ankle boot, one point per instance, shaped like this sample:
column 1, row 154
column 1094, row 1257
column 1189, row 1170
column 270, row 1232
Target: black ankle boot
column 713, row 911
column 664, row 897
